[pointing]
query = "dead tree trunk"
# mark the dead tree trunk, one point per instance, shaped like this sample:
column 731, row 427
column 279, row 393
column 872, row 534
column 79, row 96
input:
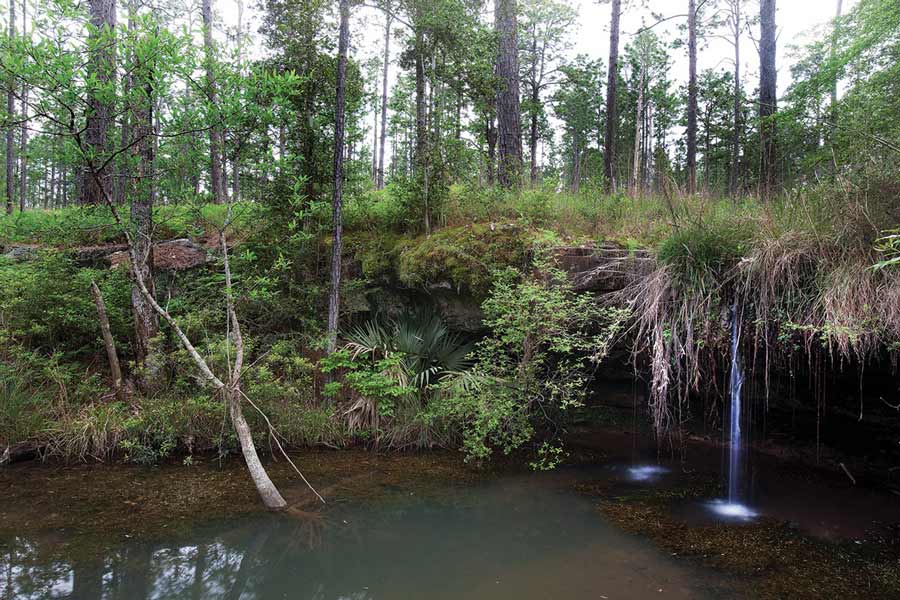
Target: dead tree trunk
column 108, row 341
column 216, row 171
column 767, row 96
column 609, row 154
column 509, row 126
column 337, row 198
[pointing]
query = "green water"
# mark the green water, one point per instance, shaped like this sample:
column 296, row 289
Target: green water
column 518, row 537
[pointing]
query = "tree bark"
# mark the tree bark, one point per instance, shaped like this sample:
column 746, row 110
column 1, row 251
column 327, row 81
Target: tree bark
column 102, row 65
column 108, row 341
column 638, row 131
column 768, row 95
column 216, row 146
column 609, row 155
column 337, row 197
column 692, row 99
column 142, row 192
column 509, row 126
column 737, row 27
column 10, row 130
column 379, row 175
column 23, row 134
column 421, row 122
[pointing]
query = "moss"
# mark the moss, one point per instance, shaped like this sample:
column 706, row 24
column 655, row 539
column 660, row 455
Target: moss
column 466, row 256
column 377, row 253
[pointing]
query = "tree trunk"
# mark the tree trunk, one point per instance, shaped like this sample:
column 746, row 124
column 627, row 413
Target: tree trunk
column 102, row 65
column 122, row 185
column 10, row 130
column 337, row 198
column 768, row 97
column 638, row 130
column 490, row 134
column 609, row 155
column 737, row 26
column 421, row 123
column 216, row 171
column 23, row 134
column 108, row 340
column 142, row 191
column 509, row 127
column 379, row 175
column 692, row 99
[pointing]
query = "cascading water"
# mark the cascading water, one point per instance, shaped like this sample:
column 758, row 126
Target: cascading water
column 737, row 382
column 733, row 507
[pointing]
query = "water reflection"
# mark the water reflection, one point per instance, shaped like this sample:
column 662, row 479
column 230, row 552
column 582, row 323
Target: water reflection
column 514, row 539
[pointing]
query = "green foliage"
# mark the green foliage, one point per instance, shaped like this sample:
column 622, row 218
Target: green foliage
column 22, row 410
column 378, row 381
column 465, row 257
column 703, row 251
column 427, row 349
column 46, row 304
column 534, row 365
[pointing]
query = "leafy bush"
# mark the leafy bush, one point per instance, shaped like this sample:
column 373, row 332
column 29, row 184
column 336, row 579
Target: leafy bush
column 46, row 304
column 534, row 365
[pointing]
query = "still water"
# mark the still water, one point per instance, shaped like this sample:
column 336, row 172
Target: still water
column 521, row 536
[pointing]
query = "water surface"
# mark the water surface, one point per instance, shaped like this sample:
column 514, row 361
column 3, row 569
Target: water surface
column 519, row 537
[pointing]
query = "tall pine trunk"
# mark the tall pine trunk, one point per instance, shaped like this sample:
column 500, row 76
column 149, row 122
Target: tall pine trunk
column 421, row 152
column 217, row 170
column 10, row 129
column 692, row 99
column 609, row 153
column 379, row 174
column 768, row 98
column 509, row 127
column 737, row 26
column 102, row 65
column 337, row 198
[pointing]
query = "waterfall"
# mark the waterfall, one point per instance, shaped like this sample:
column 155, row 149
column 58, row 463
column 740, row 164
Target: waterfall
column 732, row 507
column 736, row 383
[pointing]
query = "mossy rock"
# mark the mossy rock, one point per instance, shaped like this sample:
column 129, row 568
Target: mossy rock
column 464, row 257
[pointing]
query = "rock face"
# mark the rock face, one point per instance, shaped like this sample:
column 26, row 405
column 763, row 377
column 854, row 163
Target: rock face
column 20, row 254
column 173, row 255
column 603, row 268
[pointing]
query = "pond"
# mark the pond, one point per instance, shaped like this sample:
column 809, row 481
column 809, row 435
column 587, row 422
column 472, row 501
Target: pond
column 519, row 536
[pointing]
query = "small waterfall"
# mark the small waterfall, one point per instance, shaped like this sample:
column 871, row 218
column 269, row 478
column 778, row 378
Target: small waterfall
column 732, row 508
column 736, row 383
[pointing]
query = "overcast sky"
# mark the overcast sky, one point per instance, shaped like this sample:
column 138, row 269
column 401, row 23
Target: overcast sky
column 797, row 20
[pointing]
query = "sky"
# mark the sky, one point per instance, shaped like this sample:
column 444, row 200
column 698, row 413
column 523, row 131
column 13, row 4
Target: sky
column 797, row 22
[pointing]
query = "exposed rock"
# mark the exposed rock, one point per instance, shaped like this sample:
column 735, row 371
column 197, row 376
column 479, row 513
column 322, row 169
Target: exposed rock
column 604, row 268
column 96, row 256
column 173, row 255
column 20, row 254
